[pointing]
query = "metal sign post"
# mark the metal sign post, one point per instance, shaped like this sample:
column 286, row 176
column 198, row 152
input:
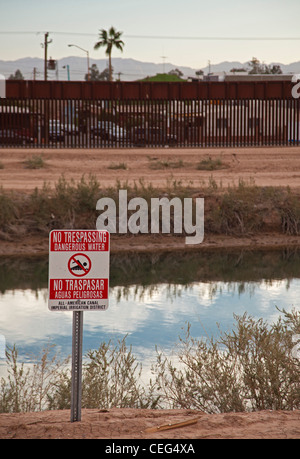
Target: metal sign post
column 78, row 281
column 76, row 387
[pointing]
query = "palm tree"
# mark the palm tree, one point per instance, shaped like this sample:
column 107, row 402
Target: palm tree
column 109, row 39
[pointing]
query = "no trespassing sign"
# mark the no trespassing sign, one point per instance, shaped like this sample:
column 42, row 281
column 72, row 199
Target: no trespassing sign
column 78, row 270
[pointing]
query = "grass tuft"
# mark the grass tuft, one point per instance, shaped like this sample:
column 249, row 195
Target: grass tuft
column 210, row 164
column 121, row 166
column 35, row 162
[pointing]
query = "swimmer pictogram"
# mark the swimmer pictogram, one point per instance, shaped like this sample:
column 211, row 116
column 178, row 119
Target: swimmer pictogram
column 79, row 265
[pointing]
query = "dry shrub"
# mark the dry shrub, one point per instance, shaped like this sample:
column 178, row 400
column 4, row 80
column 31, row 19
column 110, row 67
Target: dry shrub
column 30, row 387
column 255, row 367
column 252, row 368
column 242, row 209
column 111, row 377
column 290, row 214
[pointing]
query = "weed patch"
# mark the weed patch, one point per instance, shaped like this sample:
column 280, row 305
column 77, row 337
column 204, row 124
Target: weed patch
column 210, row 164
column 166, row 164
column 237, row 210
column 118, row 166
column 35, row 162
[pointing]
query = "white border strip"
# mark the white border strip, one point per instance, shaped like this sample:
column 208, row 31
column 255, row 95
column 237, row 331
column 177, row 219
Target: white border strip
column 2, row 87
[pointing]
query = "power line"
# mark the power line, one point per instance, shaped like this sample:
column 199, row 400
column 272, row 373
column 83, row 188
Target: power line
column 164, row 37
column 157, row 37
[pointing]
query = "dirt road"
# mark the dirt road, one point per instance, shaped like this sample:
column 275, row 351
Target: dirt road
column 265, row 166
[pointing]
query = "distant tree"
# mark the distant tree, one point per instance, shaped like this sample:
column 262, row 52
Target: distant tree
column 258, row 68
column 109, row 39
column 275, row 69
column 176, row 72
column 96, row 75
column 105, row 75
column 17, row 76
column 161, row 77
column 199, row 72
column 236, row 70
column 255, row 66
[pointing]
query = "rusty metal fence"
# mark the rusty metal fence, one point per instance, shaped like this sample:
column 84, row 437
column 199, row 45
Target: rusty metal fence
column 128, row 115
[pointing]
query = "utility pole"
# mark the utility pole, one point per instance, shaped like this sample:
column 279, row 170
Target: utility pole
column 88, row 60
column 209, row 68
column 46, row 102
column 46, row 43
column 164, row 61
column 68, row 70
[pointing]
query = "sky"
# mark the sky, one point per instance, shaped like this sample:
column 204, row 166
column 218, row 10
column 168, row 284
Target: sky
column 186, row 32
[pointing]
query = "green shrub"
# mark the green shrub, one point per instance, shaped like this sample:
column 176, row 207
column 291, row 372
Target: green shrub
column 9, row 209
column 210, row 164
column 165, row 164
column 35, row 162
column 118, row 166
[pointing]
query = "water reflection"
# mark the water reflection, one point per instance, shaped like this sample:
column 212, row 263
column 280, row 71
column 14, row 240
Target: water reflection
column 152, row 298
column 240, row 266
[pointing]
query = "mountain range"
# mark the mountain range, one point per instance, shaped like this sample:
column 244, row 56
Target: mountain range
column 127, row 69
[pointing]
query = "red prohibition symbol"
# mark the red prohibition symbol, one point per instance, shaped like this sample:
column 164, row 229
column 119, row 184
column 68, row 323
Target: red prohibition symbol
column 79, row 265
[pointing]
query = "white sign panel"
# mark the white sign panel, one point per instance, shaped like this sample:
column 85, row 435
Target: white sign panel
column 78, row 270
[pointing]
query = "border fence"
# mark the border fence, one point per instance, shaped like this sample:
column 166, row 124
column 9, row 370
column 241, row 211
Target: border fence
column 57, row 114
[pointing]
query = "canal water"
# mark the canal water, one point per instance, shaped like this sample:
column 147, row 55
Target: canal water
column 153, row 297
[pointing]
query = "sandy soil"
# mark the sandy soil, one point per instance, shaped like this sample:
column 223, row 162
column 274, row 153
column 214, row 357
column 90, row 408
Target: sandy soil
column 146, row 424
column 264, row 166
